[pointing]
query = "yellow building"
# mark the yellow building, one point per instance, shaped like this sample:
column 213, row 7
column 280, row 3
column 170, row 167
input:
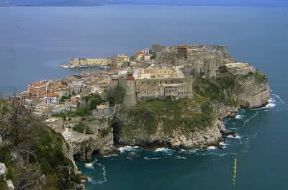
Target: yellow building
column 84, row 62
column 119, row 60
column 139, row 56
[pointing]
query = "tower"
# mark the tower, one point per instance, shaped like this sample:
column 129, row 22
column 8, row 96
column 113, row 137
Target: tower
column 130, row 94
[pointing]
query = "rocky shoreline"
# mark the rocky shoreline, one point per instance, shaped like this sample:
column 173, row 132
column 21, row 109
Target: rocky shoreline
column 82, row 146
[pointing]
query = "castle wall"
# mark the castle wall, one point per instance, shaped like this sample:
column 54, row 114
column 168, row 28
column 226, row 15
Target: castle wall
column 160, row 88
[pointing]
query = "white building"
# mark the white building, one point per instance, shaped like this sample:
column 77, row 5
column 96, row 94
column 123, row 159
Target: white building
column 52, row 98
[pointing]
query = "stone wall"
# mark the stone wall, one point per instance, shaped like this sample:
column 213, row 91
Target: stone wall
column 160, row 88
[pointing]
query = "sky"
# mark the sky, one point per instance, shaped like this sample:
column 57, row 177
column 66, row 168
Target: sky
column 162, row 2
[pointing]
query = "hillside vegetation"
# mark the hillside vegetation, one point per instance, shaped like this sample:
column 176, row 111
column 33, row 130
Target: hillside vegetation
column 32, row 152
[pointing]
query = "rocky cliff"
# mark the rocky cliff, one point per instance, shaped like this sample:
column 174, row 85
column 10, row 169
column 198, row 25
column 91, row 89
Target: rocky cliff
column 253, row 90
column 196, row 122
column 96, row 135
column 185, row 123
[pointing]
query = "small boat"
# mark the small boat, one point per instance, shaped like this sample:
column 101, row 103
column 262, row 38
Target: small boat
column 64, row 66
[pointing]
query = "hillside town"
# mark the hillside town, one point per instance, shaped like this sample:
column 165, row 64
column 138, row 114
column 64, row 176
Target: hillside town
column 159, row 72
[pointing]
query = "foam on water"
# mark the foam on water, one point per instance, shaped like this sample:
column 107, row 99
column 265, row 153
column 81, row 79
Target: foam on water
column 234, row 137
column 279, row 98
column 89, row 165
column 128, row 148
column 110, row 155
column 191, row 151
column 271, row 103
column 211, row 148
column 103, row 178
column 239, row 116
column 222, row 144
column 163, row 150
column 151, row 158
column 180, row 157
column 234, row 128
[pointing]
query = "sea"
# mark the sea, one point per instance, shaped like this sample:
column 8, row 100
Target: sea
column 34, row 41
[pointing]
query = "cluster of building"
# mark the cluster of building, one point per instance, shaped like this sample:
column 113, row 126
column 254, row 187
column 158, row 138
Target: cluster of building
column 56, row 96
column 88, row 62
column 160, row 72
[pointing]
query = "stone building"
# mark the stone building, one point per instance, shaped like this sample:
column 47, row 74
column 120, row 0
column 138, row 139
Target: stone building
column 201, row 59
column 119, row 60
column 130, row 93
column 160, row 88
column 150, row 73
column 76, row 86
column 51, row 98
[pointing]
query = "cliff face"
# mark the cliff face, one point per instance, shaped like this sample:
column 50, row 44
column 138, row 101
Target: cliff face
column 199, row 138
column 182, row 123
column 253, row 90
column 96, row 138
column 82, row 146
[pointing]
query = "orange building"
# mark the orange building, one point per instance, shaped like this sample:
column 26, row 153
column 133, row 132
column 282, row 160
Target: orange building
column 38, row 89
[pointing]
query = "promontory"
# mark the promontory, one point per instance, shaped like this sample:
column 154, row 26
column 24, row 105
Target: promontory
column 171, row 96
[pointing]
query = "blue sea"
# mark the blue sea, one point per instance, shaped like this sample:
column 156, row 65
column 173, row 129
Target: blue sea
column 34, row 41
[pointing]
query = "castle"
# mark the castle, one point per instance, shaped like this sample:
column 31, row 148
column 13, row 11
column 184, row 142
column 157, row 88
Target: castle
column 174, row 70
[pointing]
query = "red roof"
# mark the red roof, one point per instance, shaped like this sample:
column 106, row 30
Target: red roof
column 39, row 84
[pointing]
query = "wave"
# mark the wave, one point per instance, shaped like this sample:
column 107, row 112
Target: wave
column 191, row 151
column 223, row 145
column 233, row 137
column 271, row 103
column 103, row 178
column 233, row 128
column 110, row 155
column 239, row 116
column 279, row 98
column 180, row 157
column 151, row 158
column 166, row 151
column 211, row 148
column 128, row 148
column 89, row 165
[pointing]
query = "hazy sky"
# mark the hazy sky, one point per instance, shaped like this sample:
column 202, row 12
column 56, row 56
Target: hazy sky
column 175, row 2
